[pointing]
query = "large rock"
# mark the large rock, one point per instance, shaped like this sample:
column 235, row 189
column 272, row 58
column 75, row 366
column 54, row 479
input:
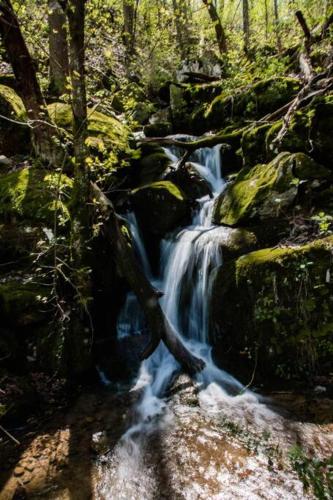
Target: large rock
column 310, row 131
column 272, row 310
column 254, row 101
column 189, row 181
column 14, row 138
column 160, row 207
column 33, row 194
column 265, row 191
column 108, row 137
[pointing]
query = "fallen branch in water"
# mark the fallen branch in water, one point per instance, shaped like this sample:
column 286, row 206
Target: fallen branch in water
column 160, row 328
column 189, row 146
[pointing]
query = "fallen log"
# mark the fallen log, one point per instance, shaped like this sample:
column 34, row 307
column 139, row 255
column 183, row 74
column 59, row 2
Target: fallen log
column 189, row 146
column 160, row 328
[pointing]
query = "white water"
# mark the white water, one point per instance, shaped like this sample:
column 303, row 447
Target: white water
column 133, row 469
column 188, row 259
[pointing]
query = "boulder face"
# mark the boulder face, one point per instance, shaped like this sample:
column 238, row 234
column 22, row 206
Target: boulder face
column 189, row 181
column 14, row 138
column 30, row 194
column 255, row 101
column 273, row 308
column 310, row 131
column 264, row 192
column 160, row 207
column 107, row 138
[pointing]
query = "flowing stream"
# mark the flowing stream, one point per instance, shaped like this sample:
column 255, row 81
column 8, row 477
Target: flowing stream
column 195, row 443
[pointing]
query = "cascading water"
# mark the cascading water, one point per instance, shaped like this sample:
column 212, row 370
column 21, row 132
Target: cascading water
column 177, row 449
column 188, row 258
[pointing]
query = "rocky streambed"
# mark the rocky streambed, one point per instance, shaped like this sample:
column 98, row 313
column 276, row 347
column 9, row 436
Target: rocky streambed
column 204, row 444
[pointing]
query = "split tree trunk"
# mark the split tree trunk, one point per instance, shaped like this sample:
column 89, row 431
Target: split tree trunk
column 58, row 49
column 148, row 297
column 219, row 30
column 43, row 131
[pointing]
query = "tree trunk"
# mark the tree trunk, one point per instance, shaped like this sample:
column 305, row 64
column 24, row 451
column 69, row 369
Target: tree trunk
column 158, row 324
column 246, row 26
column 277, row 25
column 129, row 14
column 43, row 131
column 58, row 49
column 81, row 220
column 266, row 20
column 219, row 30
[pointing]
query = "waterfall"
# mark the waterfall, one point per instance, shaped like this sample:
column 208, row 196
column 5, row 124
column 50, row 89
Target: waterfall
column 188, row 258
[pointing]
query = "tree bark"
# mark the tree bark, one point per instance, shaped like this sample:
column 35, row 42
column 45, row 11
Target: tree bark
column 58, row 49
column 158, row 324
column 129, row 14
column 277, row 27
column 43, row 131
column 219, row 30
column 246, row 26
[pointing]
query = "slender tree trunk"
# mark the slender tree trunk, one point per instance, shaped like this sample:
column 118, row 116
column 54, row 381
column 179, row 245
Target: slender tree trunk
column 277, row 25
column 43, row 132
column 219, row 30
column 246, row 26
column 58, row 48
column 266, row 20
column 129, row 14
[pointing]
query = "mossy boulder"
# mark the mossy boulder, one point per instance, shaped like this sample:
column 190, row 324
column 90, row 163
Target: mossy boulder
column 160, row 207
column 152, row 165
column 265, row 191
column 253, row 145
column 252, row 102
column 22, row 302
column 14, row 138
column 310, row 131
column 33, row 194
column 158, row 129
column 107, row 135
column 273, row 309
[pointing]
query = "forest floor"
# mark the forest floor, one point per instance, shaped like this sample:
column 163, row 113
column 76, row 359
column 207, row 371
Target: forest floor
column 203, row 447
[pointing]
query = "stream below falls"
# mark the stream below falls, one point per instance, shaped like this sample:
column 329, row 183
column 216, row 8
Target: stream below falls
column 167, row 436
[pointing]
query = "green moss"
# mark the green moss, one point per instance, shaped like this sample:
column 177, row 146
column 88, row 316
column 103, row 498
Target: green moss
column 260, row 192
column 8, row 97
column 106, row 133
column 286, row 315
column 310, row 131
column 172, row 189
column 21, row 302
column 14, row 138
column 254, row 101
column 152, row 166
column 253, row 145
column 160, row 207
column 31, row 194
column 266, row 191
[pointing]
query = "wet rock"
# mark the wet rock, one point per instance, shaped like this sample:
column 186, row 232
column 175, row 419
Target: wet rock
column 158, row 129
column 100, row 443
column 160, row 207
column 190, row 181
